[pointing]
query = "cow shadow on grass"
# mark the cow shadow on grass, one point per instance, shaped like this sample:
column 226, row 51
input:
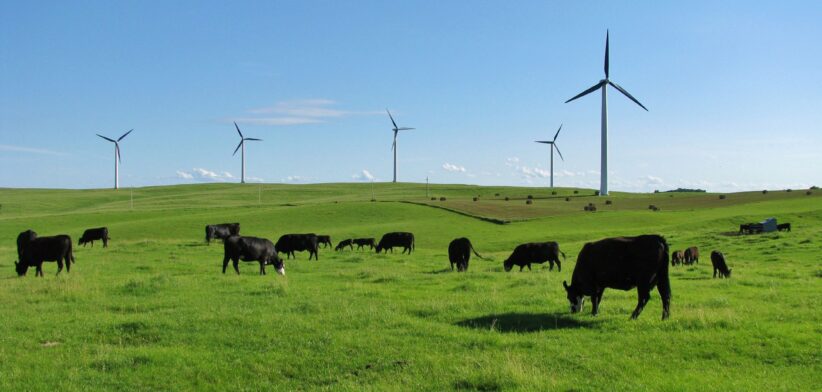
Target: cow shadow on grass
column 528, row 322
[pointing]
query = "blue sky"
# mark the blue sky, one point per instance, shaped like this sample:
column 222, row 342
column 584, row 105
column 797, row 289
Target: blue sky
column 732, row 88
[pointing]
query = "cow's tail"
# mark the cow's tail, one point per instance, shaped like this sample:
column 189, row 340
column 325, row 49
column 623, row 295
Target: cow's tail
column 475, row 252
column 561, row 252
column 71, row 253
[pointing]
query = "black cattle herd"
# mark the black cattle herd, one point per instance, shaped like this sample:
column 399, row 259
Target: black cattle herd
column 622, row 263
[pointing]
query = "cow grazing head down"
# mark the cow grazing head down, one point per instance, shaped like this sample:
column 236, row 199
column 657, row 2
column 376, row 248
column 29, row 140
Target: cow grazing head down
column 574, row 297
column 508, row 264
column 278, row 264
column 21, row 268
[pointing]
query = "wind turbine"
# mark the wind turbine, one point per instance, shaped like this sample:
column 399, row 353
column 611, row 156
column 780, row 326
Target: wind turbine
column 242, row 145
column 602, row 85
column 396, row 130
column 116, row 157
column 553, row 144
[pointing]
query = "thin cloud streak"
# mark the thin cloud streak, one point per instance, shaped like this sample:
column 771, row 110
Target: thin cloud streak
column 6, row 147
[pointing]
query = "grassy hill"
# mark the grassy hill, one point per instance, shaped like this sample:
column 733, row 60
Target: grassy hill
column 153, row 311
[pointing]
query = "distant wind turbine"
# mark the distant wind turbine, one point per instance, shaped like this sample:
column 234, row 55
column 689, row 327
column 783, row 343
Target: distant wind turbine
column 553, row 144
column 602, row 85
column 116, row 157
column 243, row 139
column 394, row 145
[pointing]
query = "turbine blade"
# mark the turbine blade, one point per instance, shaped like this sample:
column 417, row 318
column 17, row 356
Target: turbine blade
column 543, row 142
column 560, row 154
column 405, row 129
column 606, row 54
column 238, row 147
column 124, row 135
column 392, row 119
column 557, row 134
column 622, row 90
column 588, row 91
column 238, row 129
column 254, row 139
column 111, row 140
column 117, row 151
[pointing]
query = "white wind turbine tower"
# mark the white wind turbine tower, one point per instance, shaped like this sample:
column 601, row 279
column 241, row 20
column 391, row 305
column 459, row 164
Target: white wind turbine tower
column 116, row 157
column 553, row 144
column 602, row 85
column 394, row 145
column 242, row 145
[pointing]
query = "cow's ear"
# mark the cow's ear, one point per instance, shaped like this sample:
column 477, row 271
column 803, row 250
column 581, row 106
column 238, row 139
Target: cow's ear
column 565, row 284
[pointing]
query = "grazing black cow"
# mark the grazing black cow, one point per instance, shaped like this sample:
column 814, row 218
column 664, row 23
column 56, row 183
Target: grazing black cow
column 718, row 261
column 290, row 243
column 783, row 227
column 39, row 249
column 459, row 253
column 691, row 255
column 251, row 249
column 221, row 231
column 677, row 257
column 22, row 240
column 745, row 228
column 396, row 239
column 534, row 252
column 90, row 235
column 349, row 243
column 325, row 240
column 621, row 263
column 363, row 242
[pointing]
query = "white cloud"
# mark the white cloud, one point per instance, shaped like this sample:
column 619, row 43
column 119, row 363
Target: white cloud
column 297, row 112
column 453, row 168
column 512, row 161
column 364, row 175
column 6, row 147
column 204, row 175
column 295, row 179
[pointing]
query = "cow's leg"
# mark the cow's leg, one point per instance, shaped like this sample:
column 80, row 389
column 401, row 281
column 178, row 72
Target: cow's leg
column 59, row 265
column 664, row 288
column 262, row 267
column 643, row 294
column 225, row 262
column 529, row 267
column 559, row 265
column 714, row 272
column 39, row 270
column 550, row 265
column 452, row 265
column 68, row 263
column 236, row 264
column 596, row 299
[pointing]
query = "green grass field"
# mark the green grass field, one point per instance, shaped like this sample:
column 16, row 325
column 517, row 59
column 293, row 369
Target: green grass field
column 154, row 311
